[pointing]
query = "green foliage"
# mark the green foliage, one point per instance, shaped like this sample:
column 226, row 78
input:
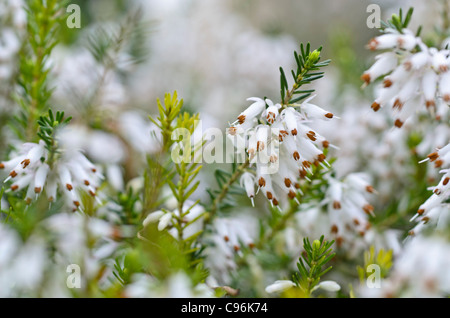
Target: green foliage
column 44, row 18
column 48, row 126
column 106, row 45
column 383, row 259
column 398, row 21
column 311, row 264
column 308, row 65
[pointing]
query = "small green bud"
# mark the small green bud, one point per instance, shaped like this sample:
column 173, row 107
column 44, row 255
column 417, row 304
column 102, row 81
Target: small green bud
column 314, row 56
column 316, row 245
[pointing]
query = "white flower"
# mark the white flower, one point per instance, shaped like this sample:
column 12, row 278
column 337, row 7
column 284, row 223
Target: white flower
column 410, row 78
column 328, row 285
column 281, row 148
column 279, row 286
column 153, row 217
column 72, row 172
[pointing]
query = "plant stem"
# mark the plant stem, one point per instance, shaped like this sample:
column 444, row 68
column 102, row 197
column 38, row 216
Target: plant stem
column 225, row 189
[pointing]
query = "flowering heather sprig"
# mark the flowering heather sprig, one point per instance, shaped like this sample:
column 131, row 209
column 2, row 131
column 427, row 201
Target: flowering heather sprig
column 280, row 145
column 277, row 138
column 436, row 208
column 413, row 74
column 43, row 165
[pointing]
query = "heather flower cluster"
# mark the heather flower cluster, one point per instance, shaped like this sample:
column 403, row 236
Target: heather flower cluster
column 113, row 137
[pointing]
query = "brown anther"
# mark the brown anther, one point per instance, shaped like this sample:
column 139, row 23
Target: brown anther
column 2, row 166
column 430, row 103
column 294, row 132
column 373, row 44
column 260, row 146
column 387, row 83
column 370, row 189
column 446, row 180
column 368, row 209
column 334, row 229
column 51, row 199
column 241, row 119
column 336, row 205
column 262, row 182
column 329, row 115
column 251, row 245
column 362, row 233
column 446, row 98
column 275, row 201
column 269, row 195
column 297, row 185
column 296, row 155
column 282, row 134
column 411, row 233
column 273, row 158
column 398, row 104
column 425, row 219
column 287, row 182
column 438, row 163
column 398, row 123
column 303, row 173
column 311, row 135
column 94, row 170
column 292, row 195
column 232, row 131
column 421, row 211
column 226, row 238
column 366, row 78
column 86, row 182
column 92, row 193
column 375, row 106
column 443, row 68
column 321, row 157
column 14, row 187
column 306, row 164
column 13, row 174
column 69, row 187
column 28, row 201
column 339, row 241
column 325, row 143
column 37, row 190
column 437, row 191
column 433, row 156
column 77, row 204
column 356, row 222
column 236, row 248
column 25, row 163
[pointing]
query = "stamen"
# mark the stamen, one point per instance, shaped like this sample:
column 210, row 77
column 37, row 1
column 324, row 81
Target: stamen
column 336, row 205
column 375, row 106
column 366, row 78
column 262, row 182
column 387, row 83
column 287, row 182
column 25, row 163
